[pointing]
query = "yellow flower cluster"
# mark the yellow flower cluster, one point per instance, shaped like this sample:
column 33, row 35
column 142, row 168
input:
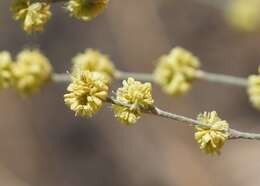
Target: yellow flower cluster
column 136, row 94
column 6, row 75
column 28, row 74
column 86, row 9
column 93, row 61
column 86, row 94
column 213, row 137
column 31, row 71
column 244, row 15
column 176, row 71
column 34, row 15
column 254, row 89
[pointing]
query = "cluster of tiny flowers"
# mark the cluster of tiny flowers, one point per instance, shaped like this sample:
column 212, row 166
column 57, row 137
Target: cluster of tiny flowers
column 6, row 74
column 211, row 138
column 92, row 73
column 136, row 94
column 86, row 93
column 86, row 9
column 34, row 14
column 31, row 71
column 93, row 61
column 244, row 15
column 176, row 71
column 254, row 89
column 28, row 74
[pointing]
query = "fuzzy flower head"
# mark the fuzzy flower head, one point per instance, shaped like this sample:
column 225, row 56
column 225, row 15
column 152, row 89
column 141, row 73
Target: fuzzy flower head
column 254, row 89
column 136, row 94
column 93, row 61
column 86, row 9
column 6, row 75
column 34, row 15
column 212, row 138
column 244, row 15
column 176, row 71
column 31, row 71
column 86, row 93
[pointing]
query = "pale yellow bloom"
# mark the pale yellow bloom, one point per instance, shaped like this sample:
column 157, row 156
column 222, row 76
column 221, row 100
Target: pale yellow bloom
column 31, row 71
column 86, row 93
column 176, row 71
column 213, row 137
column 244, row 15
column 136, row 94
column 93, row 61
column 86, row 9
column 6, row 75
column 34, row 15
column 254, row 89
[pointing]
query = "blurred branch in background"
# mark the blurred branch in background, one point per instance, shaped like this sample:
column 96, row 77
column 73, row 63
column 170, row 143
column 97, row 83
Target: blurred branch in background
column 146, row 77
column 217, row 4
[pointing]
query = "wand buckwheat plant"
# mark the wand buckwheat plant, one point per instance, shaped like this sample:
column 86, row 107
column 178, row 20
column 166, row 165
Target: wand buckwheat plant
column 92, row 73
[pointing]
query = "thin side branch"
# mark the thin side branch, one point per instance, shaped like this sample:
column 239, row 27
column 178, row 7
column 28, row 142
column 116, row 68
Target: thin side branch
column 234, row 134
column 243, row 135
column 223, row 79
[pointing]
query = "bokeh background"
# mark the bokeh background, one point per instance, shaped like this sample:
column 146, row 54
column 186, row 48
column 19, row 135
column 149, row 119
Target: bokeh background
column 43, row 144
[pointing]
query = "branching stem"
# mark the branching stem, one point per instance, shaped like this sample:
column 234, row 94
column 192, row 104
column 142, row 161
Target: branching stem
column 230, row 80
column 234, row 134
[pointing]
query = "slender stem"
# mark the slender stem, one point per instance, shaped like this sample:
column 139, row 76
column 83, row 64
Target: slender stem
column 223, row 79
column 158, row 112
column 210, row 77
column 146, row 77
column 138, row 76
column 165, row 114
column 234, row 134
column 119, row 75
column 243, row 135
column 61, row 78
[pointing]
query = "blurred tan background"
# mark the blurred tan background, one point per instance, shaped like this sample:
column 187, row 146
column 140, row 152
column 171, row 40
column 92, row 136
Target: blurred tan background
column 43, row 144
